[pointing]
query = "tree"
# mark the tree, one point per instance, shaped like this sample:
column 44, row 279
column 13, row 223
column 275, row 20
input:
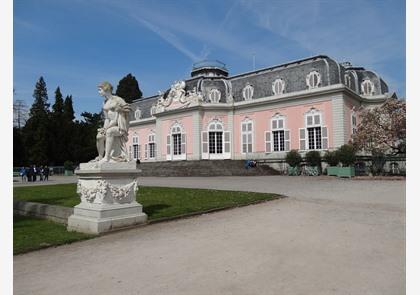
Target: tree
column 58, row 132
column 128, row 89
column 382, row 129
column 68, row 109
column 20, row 113
column 36, row 130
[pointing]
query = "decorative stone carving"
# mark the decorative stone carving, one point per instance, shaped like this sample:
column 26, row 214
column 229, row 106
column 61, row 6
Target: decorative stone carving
column 177, row 98
column 101, row 191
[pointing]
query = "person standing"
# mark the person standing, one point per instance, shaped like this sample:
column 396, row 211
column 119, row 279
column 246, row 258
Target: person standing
column 46, row 173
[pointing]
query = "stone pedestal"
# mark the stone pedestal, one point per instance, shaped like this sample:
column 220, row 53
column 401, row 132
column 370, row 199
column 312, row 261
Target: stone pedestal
column 108, row 198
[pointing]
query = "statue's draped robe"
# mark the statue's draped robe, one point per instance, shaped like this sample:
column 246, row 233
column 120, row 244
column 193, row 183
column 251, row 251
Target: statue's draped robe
column 120, row 153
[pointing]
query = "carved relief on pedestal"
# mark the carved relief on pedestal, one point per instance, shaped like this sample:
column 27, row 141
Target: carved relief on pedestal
column 101, row 191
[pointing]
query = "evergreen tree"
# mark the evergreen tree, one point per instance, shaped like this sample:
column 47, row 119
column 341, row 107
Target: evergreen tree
column 68, row 109
column 57, row 130
column 36, row 130
column 128, row 89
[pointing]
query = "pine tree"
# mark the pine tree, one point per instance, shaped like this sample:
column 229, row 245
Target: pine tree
column 36, row 130
column 128, row 89
column 57, row 130
column 68, row 109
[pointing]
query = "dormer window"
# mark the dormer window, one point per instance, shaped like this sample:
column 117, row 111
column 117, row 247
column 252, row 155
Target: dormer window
column 137, row 114
column 347, row 80
column 278, row 86
column 313, row 79
column 248, row 92
column 214, row 95
column 367, row 87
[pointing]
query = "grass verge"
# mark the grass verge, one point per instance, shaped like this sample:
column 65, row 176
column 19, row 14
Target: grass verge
column 159, row 203
column 32, row 233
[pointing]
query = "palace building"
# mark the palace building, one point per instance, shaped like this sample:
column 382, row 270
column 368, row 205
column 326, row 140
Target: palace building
column 308, row 104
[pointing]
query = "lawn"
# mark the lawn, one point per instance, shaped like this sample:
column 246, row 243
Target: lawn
column 32, row 233
column 158, row 203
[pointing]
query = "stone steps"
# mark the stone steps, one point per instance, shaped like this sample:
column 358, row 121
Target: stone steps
column 203, row 168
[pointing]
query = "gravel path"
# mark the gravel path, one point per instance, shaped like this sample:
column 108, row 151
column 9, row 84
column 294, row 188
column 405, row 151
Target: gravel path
column 330, row 236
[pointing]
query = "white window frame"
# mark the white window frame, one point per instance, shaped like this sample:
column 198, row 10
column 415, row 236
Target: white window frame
column 310, row 79
column 311, row 121
column 246, row 123
column 364, row 84
column 137, row 114
column 176, row 129
column 276, row 126
column 135, row 141
column 353, row 122
column 248, row 92
column 215, row 95
column 226, row 141
column 152, row 141
column 282, row 86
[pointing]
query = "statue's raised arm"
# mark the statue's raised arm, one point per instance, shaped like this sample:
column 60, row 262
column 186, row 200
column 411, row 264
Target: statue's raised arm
column 112, row 137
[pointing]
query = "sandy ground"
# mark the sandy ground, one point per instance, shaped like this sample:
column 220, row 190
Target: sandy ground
column 330, row 236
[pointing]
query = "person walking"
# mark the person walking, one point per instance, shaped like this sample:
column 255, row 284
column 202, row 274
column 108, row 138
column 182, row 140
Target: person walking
column 22, row 173
column 46, row 173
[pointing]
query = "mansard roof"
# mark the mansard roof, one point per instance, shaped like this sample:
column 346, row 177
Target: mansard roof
column 294, row 74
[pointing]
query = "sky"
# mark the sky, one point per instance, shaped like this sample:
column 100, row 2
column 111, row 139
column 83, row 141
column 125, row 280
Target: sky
column 77, row 44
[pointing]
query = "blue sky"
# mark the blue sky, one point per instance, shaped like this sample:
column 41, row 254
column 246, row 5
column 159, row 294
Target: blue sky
column 76, row 44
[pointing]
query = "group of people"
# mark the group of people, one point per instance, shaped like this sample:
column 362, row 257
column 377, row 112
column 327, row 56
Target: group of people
column 33, row 172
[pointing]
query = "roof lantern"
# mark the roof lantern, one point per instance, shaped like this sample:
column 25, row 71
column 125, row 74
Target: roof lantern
column 209, row 68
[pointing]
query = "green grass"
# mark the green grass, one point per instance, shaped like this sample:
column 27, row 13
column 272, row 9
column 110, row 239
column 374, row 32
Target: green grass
column 158, row 202
column 32, row 233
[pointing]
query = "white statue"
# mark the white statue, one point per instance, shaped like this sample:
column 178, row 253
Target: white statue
column 112, row 137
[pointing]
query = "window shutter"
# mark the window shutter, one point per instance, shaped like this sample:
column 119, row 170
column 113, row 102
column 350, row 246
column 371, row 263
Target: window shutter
column 268, row 141
column 205, row 144
column 183, row 143
column 287, row 140
column 324, row 135
column 168, row 145
column 130, row 152
column 302, row 138
column 227, row 141
column 145, row 151
column 139, row 152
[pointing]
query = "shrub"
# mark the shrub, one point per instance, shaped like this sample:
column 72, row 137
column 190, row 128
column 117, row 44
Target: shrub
column 313, row 158
column 68, row 165
column 346, row 155
column 378, row 162
column 331, row 158
column 293, row 158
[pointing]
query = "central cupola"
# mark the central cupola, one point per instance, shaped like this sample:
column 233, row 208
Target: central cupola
column 209, row 68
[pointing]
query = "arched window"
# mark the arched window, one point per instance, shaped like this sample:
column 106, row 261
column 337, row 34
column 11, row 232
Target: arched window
column 367, row 87
column 248, row 92
column 137, row 114
column 278, row 86
column 313, row 79
column 151, row 146
column 247, row 135
column 215, row 141
column 176, row 143
column 347, row 80
column 214, row 95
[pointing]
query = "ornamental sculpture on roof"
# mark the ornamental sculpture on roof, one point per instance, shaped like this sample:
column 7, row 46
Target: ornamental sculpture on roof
column 177, row 97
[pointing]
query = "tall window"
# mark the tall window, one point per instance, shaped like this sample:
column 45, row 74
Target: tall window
column 215, row 138
column 278, row 86
column 214, row 95
column 367, row 87
column 315, row 135
column 176, row 140
column 248, row 92
column 353, row 122
column 152, row 146
column 313, row 79
column 246, row 136
column 135, row 147
column 277, row 129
